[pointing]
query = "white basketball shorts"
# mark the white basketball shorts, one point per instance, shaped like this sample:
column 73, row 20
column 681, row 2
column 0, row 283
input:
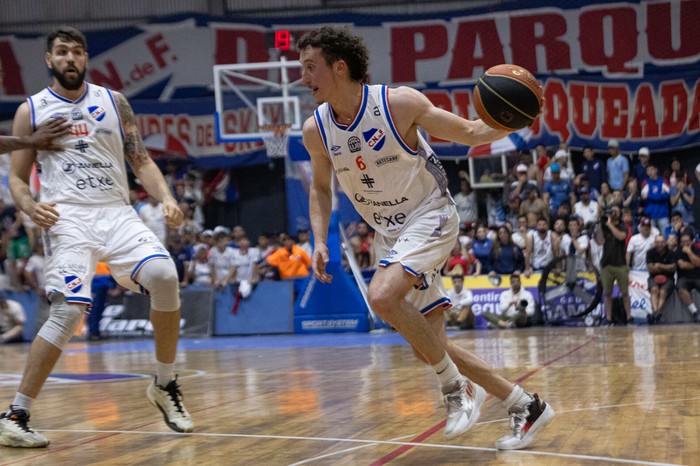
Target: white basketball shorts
column 85, row 235
column 422, row 248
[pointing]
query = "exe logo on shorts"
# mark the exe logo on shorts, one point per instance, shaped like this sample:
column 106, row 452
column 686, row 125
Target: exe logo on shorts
column 97, row 112
column 73, row 283
column 375, row 138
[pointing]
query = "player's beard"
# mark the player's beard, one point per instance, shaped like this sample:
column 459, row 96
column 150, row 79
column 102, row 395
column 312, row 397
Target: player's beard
column 72, row 84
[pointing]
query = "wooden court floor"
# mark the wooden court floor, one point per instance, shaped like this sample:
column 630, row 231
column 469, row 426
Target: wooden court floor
column 622, row 396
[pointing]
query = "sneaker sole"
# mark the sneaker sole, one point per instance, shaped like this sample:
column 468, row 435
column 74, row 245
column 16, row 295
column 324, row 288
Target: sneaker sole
column 479, row 398
column 16, row 442
column 172, row 425
column 545, row 418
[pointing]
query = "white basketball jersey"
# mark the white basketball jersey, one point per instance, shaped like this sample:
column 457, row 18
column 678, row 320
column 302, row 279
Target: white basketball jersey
column 542, row 252
column 90, row 168
column 387, row 181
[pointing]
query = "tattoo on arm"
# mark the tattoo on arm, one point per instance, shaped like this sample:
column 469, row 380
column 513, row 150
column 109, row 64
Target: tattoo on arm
column 134, row 150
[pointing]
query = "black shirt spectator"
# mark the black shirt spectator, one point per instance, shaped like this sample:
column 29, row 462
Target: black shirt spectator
column 613, row 248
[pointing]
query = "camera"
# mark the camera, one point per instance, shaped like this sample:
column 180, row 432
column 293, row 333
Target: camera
column 522, row 305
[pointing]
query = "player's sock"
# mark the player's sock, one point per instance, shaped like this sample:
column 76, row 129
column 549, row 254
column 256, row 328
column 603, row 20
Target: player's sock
column 22, row 402
column 446, row 371
column 164, row 373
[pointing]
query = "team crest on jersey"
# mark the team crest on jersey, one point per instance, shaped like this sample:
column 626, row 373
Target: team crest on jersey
column 375, row 138
column 73, row 283
column 354, row 144
column 97, row 112
column 336, row 150
column 76, row 114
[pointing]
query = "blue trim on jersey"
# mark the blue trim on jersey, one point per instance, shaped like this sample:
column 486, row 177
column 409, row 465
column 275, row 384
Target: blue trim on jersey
column 319, row 125
column 356, row 122
column 439, row 303
column 390, row 122
column 63, row 99
column 32, row 113
column 78, row 300
column 119, row 117
column 143, row 261
column 386, row 263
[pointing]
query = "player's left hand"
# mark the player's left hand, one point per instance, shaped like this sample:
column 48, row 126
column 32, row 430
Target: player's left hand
column 172, row 213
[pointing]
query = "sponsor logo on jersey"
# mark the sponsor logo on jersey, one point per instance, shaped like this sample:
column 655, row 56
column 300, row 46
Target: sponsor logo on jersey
column 103, row 183
column 336, row 150
column 389, row 203
column 68, row 167
column 97, row 112
column 375, row 138
column 354, row 144
column 103, row 131
column 76, row 114
column 58, row 115
column 73, row 283
column 71, row 269
column 385, row 160
column 342, row 169
column 391, row 254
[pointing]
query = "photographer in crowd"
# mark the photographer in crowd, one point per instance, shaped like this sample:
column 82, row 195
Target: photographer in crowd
column 517, row 306
column 612, row 235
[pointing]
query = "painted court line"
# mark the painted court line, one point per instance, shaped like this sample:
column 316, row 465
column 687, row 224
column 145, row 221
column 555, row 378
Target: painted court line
column 362, row 441
column 346, row 450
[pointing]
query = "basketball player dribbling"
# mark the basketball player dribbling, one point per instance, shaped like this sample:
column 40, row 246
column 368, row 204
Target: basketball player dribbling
column 85, row 215
column 368, row 135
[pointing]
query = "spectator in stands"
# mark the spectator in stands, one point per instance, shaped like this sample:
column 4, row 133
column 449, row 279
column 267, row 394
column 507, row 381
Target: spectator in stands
column 265, row 245
column 540, row 248
column 639, row 170
column 688, row 262
column 460, row 314
column 534, row 207
column 656, row 193
column 631, row 227
column 207, row 238
column 186, row 206
column 505, row 257
column 614, row 266
column 606, row 198
column 593, row 169
column 181, row 255
column 661, row 263
column 574, row 242
column 199, row 272
column 12, row 319
column 640, row 244
column 362, row 241
column 152, row 215
column 566, row 173
column 290, row 260
column 465, row 199
column 533, row 171
column 461, row 262
column 481, row 248
column 516, row 306
column 102, row 282
column 682, row 197
column 586, row 209
column 676, row 226
column 466, row 235
column 542, row 159
column 632, row 199
column 677, row 173
column 305, row 240
column 618, row 167
column 245, row 261
column 517, row 191
column 221, row 260
column 521, row 233
column 673, row 243
column 15, row 238
column 237, row 234
column 557, row 190
column 34, row 270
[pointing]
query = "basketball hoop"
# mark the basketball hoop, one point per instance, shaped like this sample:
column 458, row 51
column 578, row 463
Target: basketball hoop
column 276, row 141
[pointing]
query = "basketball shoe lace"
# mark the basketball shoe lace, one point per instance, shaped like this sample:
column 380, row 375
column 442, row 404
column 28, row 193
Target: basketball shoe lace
column 168, row 399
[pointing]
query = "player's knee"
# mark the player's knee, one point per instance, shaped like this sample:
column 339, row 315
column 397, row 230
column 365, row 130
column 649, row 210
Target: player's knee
column 64, row 319
column 159, row 278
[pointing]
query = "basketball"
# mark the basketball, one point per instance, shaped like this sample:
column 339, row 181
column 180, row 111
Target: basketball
column 507, row 97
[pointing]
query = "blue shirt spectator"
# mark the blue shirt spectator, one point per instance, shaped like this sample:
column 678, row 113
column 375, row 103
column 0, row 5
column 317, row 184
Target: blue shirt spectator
column 506, row 257
column 618, row 167
column 682, row 199
column 481, row 248
column 593, row 169
column 656, row 192
column 639, row 170
column 557, row 190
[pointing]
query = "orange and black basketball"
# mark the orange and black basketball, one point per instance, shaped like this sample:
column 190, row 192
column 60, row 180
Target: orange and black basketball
column 507, row 97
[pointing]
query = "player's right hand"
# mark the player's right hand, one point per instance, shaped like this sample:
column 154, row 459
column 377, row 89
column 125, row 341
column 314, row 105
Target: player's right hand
column 318, row 263
column 44, row 214
column 43, row 138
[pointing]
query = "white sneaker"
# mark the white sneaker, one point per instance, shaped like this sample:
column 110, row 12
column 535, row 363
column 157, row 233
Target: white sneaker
column 525, row 424
column 15, row 431
column 169, row 400
column 463, row 400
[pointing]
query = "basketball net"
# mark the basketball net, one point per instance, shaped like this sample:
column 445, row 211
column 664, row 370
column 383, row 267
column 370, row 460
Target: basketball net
column 276, row 143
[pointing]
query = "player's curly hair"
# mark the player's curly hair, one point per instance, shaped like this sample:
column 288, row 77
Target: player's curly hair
column 67, row 34
column 338, row 43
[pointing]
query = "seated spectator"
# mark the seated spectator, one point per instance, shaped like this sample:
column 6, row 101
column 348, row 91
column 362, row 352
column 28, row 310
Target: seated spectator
column 221, row 260
column 557, row 190
column 516, row 306
column 688, row 263
column 305, row 241
column 640, row 244
column 481, row 248
column 244, row 273
column 673, row 243
column 575, row 242
column 540, row 248
column 505, row 257
column 656, row 193
column 265, row 245
column 520, row 235
column 290, row 260
column 362, row 240
column 564, row 211
column 181, row 255
column 207, row 238
column 466, row 235
column 200, row 271
column 460, row 314
column 586, row 209
column 461, row 262
column 676, row 226
column 682, row 197
column 237, row 234
column 12, row 318
column 661, row 263
column 534, row 207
